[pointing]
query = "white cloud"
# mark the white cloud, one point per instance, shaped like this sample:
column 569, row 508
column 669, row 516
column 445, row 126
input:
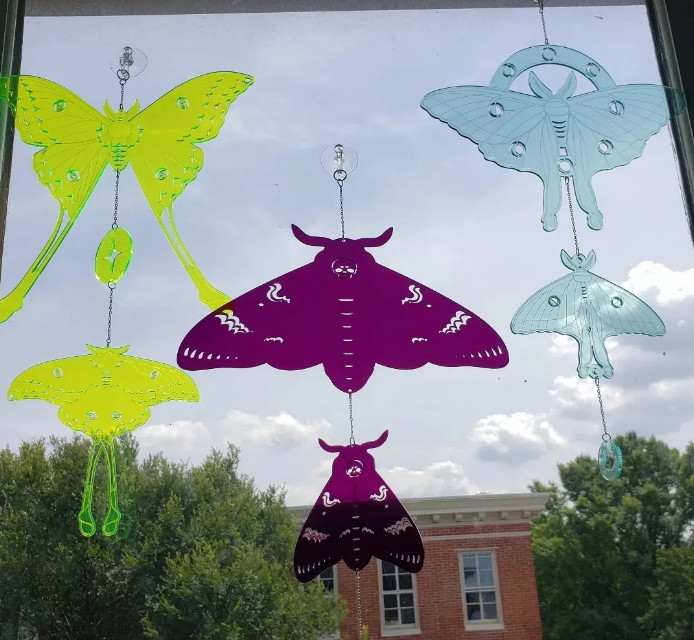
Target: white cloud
column 671, row 286
column 574, row 394
column 179, row 439
column 436, row 479
column 516, row 437
column 281, row 430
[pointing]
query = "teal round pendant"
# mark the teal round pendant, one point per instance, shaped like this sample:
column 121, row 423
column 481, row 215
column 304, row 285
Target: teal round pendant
column 610, row 460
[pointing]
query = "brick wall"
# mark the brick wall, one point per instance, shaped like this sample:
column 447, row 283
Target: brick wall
column 440, row 610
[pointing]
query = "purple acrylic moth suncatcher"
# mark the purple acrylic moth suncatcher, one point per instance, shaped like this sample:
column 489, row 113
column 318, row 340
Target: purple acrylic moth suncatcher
column 346, row 312
column 356, row 517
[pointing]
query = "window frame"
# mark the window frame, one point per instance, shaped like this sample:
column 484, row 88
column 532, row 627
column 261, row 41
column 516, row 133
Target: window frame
column 481, row 625
column 392, row 630
column 333, row 595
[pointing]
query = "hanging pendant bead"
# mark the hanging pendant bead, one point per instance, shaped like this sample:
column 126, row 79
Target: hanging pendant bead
column 610, row 460
column 113, row 255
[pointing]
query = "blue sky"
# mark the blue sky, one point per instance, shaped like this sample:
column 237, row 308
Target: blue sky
column 463, row 226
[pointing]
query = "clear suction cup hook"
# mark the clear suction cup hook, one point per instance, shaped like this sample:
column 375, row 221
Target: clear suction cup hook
column 339, row 161
column 128, row 62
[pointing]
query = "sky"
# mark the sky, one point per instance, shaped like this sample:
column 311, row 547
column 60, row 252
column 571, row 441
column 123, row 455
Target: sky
column 463, row 226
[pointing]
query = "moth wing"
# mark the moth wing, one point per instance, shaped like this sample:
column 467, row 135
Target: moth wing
column 278, row 323
column 47, row 113
column 553, row 309
column 420, row 326
column 396, row 538
column 619, row 311
column 166, row 159
column 610, row 127
column 71, row 171
column 318, row 545
column 510, row 128
column 60, row 382
column 150, row 382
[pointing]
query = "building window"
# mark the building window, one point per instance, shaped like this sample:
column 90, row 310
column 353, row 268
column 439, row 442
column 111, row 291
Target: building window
column 328, row 578
column 480, row 590
column 398, row 598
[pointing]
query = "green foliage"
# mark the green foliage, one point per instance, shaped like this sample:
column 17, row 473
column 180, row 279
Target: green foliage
column 201, row 553
column 600, row 547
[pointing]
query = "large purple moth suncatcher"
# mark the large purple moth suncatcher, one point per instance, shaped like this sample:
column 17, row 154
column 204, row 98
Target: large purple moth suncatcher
column 346, row 312
column 355, row 518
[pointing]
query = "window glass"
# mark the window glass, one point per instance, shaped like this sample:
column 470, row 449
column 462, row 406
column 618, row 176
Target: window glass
column 480, row 602
column 397, row 586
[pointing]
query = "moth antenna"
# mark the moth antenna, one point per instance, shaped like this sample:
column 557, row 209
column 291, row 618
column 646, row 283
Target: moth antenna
column 376, row 443
column 539, row 88
column 134, row 110
column 379, row 241
column 311, row 241
column 330, row 448
column 108, row 110
column 569, row 86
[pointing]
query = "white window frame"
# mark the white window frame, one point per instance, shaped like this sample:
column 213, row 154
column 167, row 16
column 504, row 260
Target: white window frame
column 393, row 630
column 332, row 595
column 481, row 625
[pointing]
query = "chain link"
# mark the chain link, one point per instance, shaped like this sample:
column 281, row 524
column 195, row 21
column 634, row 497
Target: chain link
column 340, row 176
column 351, row 421
column 571, row 211
column 541, row 3
column 123, row 76
column 606, row 437
column 360, row 636
column 111, row 289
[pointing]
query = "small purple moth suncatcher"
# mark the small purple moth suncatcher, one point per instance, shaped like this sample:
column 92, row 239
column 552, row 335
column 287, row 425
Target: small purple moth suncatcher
column 346, row 312
column 356, row 517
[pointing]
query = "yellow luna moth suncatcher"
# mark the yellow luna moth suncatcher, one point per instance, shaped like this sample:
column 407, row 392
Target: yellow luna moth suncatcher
column 103, row 394
column 79, row 141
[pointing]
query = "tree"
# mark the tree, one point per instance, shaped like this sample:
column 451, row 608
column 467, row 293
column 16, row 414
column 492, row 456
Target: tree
column 596, row 545
column 670, row 614
column 200, row 553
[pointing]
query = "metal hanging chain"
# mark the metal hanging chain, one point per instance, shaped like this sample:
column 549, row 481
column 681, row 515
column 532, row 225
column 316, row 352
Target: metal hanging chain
column 340, row 176
column 606, row 437
column 541, row 4
column 351, row 421
column 359, row 620
column 571, row 211
column 126, row 60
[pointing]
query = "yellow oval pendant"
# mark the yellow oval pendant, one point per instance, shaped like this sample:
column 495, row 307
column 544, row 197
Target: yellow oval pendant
column 113, row 255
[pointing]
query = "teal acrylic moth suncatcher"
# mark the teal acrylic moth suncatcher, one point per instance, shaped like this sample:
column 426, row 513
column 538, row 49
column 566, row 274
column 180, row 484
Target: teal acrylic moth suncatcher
column 558, row 134
column 588, row 308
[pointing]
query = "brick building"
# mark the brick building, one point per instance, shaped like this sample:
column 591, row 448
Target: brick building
column 478, row 580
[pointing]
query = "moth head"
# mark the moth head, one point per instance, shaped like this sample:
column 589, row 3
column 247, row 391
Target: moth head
column 120, row 115
column 579, row 262
column 341, row 255
column 353, row 460
column 541, row 90
column 344, row 267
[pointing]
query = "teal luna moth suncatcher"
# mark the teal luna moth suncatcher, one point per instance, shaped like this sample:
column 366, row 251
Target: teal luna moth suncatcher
column 589, row 309
column 565, row 138
column 558, row 134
